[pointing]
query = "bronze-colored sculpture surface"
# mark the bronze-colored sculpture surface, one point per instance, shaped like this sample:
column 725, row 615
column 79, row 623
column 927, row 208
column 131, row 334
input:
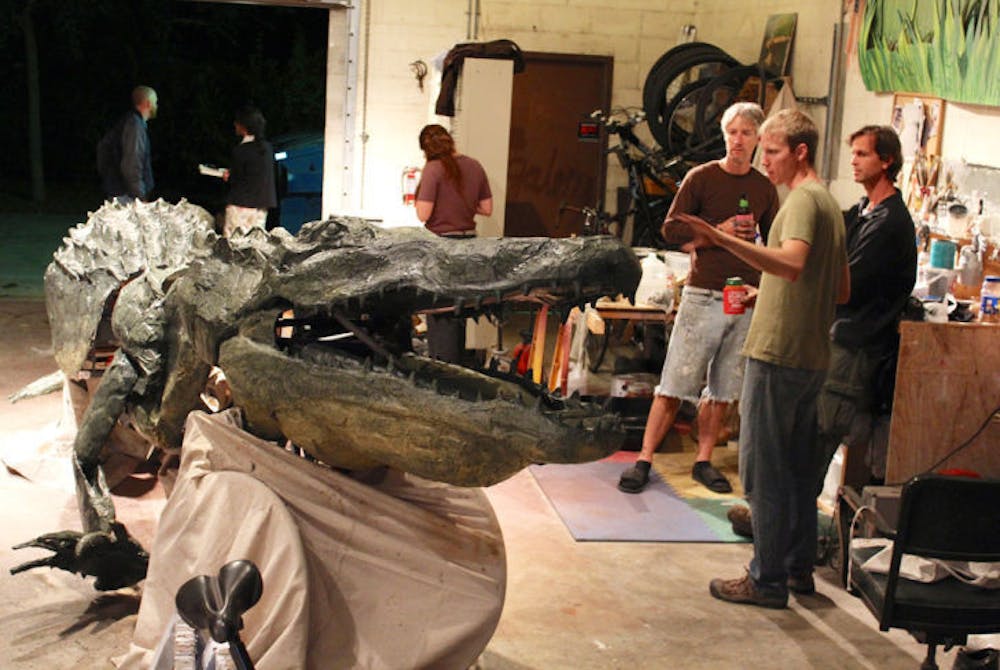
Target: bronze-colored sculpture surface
column 339, row 379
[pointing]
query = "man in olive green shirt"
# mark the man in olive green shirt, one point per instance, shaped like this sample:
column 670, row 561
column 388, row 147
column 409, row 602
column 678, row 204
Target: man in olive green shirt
column 805, row 274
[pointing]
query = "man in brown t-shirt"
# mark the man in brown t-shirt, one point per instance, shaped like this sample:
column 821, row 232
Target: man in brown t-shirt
column 705, row 342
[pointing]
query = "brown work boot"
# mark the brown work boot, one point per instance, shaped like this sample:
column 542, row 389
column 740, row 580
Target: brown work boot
column 744, row 592
column 739, row 516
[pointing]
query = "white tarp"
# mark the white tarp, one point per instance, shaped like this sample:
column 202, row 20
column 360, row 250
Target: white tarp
column 394, row 573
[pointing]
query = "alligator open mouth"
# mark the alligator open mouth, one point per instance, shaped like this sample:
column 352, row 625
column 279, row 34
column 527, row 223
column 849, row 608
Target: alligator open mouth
column 361, row 380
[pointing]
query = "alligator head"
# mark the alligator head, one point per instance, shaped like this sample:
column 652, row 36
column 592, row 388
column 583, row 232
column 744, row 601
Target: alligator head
column 339, row 378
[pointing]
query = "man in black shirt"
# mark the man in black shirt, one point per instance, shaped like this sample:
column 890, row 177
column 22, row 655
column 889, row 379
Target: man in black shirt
column 882, row 253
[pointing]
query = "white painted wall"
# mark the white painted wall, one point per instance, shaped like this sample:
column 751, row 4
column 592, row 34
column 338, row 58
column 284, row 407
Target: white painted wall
column 391, row 108
column 481, row 129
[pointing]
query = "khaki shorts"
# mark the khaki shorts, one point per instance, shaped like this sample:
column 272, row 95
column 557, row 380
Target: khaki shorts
column 243, row 218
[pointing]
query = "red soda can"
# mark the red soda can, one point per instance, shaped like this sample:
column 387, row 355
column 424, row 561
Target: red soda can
column 732, row 296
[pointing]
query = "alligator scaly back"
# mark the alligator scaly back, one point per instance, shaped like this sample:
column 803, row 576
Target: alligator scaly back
column 116, row 244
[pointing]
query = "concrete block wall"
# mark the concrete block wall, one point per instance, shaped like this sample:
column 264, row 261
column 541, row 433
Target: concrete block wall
column 392, row 109
column 634, row 32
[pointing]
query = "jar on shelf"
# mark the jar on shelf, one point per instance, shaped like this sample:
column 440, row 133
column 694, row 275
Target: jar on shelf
column 989, row 300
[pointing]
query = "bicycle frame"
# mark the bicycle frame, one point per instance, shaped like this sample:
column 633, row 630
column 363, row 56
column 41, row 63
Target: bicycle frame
column 643, row 165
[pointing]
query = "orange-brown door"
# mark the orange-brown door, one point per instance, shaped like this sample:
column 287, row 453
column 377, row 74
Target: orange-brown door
column 550, row 165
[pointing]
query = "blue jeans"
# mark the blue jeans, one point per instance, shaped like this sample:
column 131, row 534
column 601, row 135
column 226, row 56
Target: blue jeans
column 778, row 466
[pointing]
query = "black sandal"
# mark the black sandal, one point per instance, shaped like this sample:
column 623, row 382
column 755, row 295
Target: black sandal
column 634, row 479
column 705, row 474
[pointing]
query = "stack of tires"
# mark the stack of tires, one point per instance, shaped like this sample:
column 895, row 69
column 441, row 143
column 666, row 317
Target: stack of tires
column 686, row 92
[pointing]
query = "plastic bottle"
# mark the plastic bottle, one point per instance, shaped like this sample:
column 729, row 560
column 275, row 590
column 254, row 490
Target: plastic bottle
column 989, row 300
column 743, row 213
column 732, row 296
column 744, row 217
column 652, row 289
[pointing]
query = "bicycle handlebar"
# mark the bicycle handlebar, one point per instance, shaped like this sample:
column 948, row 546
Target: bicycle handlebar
column 612, row 120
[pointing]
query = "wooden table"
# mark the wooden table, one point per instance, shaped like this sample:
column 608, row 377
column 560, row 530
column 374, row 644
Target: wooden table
column 627, row 311
column 947, row 388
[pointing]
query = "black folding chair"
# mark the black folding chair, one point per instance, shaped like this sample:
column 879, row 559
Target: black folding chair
column 941, row 517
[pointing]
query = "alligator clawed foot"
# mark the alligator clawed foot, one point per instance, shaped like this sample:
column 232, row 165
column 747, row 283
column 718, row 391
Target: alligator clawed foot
column 114, row 558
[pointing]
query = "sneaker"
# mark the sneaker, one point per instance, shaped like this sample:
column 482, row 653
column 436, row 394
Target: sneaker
column 804, row 585
column 635, row 478
column 705, row 474
column 744, row 592
column 739, row 516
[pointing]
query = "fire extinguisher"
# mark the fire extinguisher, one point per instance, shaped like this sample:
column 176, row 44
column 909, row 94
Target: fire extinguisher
column 411, row 177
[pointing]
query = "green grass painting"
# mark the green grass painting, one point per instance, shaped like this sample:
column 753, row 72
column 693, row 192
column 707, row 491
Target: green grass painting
column 944, row 48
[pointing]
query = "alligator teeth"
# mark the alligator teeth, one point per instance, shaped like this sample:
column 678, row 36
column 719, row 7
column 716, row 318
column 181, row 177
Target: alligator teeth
column 458, row 307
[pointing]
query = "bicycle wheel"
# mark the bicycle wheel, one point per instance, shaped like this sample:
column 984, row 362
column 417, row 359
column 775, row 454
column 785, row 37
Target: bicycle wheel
column 680, row 66
column 674, row 59
column 713, row 100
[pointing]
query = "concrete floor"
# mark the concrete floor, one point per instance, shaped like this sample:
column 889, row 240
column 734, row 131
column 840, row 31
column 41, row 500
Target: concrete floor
column 572, row 605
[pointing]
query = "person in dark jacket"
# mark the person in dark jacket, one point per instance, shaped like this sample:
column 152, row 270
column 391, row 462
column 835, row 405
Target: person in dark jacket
column 856, row 400
column 250, row 175
column 124, row 157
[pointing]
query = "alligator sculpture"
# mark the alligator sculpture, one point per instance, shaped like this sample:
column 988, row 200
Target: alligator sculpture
column 313, row 333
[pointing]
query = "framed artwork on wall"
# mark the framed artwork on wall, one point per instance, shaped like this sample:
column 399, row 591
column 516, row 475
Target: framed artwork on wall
column 776, row 47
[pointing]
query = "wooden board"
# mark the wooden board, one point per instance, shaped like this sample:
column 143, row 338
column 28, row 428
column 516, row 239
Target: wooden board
column 559, row 372
column 947, row 386
column 538, row 344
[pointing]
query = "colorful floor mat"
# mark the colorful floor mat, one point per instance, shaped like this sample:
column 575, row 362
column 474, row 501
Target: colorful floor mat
column 587, row 499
